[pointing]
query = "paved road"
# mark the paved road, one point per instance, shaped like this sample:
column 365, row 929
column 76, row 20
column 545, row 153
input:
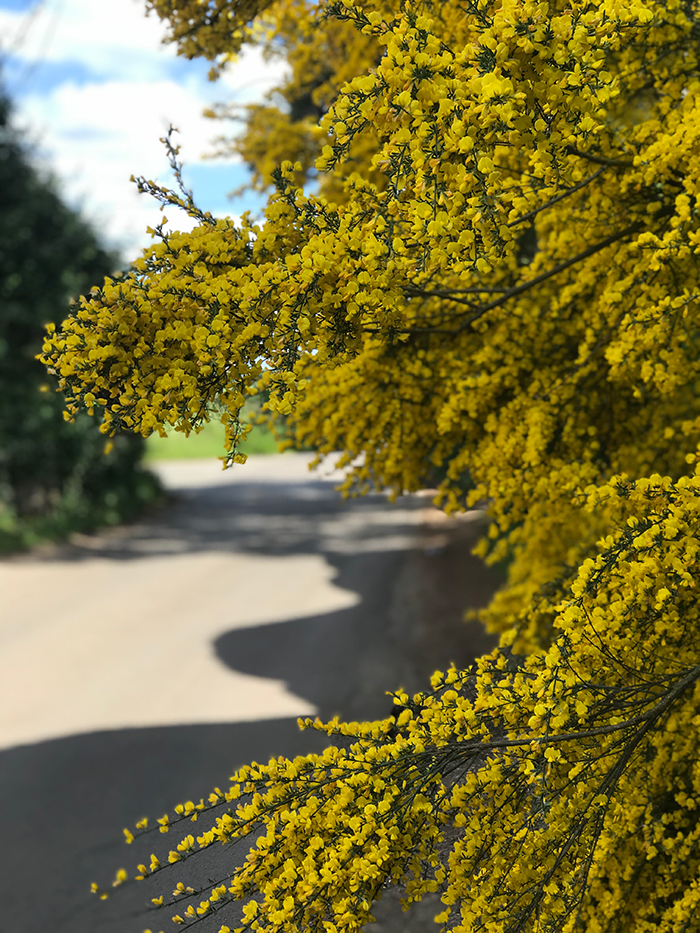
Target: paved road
column 138, row 667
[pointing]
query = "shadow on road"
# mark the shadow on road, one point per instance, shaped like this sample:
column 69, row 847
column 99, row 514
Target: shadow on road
column 268, row 519
column 64, row 801
column 409, row 622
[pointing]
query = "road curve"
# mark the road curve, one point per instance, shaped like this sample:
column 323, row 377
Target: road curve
column 140, row 666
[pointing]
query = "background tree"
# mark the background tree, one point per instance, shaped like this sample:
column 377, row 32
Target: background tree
column 515, row 303
column 54, row 475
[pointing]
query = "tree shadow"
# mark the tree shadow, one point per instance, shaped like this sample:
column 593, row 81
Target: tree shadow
column 64, row 803
column 267, row 518
column 409, row 621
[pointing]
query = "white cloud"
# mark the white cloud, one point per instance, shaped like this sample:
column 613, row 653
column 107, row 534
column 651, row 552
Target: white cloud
column 109, row 36
column 98, row 135
column 98, row 128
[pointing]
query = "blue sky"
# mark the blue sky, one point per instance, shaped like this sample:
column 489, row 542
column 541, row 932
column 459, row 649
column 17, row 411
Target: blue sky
column 95, row 88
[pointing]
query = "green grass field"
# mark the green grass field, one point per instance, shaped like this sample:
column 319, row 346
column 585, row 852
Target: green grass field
column 208, row 443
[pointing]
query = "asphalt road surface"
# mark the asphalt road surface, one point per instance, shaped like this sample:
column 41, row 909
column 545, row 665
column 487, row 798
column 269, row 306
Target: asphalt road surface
column 140, row 666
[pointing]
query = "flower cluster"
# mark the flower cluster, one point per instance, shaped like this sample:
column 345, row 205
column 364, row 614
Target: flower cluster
column 494, row 288
column 528, row 791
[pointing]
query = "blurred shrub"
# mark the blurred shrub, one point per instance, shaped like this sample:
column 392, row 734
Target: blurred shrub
column 54, row 476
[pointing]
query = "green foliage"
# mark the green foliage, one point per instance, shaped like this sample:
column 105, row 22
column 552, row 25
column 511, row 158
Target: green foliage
column 54, row 475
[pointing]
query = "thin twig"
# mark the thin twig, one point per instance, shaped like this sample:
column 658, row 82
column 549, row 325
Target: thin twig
column 559, row 197
column 517, row 289
column 599, row 160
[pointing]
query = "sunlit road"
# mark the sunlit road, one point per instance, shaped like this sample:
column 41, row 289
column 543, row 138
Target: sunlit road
column 138, row 667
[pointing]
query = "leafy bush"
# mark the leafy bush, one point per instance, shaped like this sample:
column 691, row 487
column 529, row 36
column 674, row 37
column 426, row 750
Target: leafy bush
column 54, row 475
